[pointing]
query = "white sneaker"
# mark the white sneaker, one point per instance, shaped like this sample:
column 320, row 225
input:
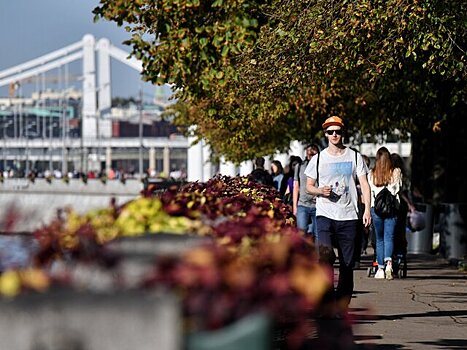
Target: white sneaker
column 380, row 274
column 388, row 271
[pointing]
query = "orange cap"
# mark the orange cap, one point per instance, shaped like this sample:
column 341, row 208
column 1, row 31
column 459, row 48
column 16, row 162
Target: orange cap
column 334, row 120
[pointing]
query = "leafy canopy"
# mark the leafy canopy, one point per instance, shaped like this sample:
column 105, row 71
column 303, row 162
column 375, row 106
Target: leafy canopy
column 255, row 75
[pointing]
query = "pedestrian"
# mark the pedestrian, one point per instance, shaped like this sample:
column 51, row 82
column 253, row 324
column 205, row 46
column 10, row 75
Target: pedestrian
column 384, row 174
column 332, row 177
column 289, row 173
column 277, row 172
column 404, row 193
column 260, row 174
column 361, row 238
column 304, row 203
column 406, row 206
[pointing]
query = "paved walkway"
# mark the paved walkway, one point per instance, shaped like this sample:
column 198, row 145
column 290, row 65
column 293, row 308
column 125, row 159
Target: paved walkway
column 425, row 310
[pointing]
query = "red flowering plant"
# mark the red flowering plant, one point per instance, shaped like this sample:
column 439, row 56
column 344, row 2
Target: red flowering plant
column 225, row 198
column 279, row 276
column 257, row 260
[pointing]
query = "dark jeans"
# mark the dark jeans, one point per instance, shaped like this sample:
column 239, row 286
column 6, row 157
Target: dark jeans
column 358, row 241
column 340, row 234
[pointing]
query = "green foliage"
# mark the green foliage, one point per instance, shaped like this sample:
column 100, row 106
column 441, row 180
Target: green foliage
column 188, row 43
column 254, row 75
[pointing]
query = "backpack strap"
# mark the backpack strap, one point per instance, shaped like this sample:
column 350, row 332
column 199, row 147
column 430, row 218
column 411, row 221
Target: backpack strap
column 356, row 163
column 317, row 172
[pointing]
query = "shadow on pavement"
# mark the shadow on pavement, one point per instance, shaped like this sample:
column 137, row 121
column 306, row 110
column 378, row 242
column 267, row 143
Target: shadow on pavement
column 452, row 344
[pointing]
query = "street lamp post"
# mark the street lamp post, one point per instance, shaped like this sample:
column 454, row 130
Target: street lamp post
column 4, row 148
column 65, row 134
column 51, row 126
column 27, row 147
column 64, row 137
column 140, row 133
column 5, row 125
column 98, row 136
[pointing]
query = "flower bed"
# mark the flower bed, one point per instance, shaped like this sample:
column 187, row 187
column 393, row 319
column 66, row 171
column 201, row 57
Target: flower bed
column 254, row 260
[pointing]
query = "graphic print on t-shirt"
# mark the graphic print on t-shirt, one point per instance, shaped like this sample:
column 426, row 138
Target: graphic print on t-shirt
column 340, row 179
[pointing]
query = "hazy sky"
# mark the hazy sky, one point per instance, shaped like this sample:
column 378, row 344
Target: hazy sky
column 32, row 28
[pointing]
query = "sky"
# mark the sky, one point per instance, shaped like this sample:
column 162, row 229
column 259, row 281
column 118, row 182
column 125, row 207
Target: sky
column 32, row 28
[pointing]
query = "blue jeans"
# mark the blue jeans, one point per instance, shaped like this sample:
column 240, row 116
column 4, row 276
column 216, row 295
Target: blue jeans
column 341, row 234
column 306, row 219
column 384, row 236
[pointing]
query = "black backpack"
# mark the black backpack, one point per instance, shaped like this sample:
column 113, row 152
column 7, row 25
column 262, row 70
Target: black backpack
column 262, row 176
column 385, row 204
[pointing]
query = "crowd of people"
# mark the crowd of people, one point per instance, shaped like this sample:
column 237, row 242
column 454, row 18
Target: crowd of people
column 109, row 174
column 332, row 194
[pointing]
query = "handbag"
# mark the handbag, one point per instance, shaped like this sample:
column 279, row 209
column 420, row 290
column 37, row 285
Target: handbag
column 416, row 220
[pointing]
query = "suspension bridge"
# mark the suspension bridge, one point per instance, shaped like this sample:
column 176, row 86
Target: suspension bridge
column 76, row 126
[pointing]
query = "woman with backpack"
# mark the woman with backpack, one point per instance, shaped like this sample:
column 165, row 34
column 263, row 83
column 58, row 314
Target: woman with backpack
column 385, row 183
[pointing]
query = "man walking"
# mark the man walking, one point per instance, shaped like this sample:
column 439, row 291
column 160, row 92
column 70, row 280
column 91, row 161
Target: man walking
column 332, row 177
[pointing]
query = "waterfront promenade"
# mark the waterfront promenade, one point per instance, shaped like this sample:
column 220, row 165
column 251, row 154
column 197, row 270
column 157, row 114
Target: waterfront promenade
column 426, row 310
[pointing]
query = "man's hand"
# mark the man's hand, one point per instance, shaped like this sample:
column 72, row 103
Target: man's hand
column 366, row 218
column 326, row 191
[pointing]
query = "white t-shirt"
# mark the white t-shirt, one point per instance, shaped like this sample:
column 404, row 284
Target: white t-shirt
column 339, row 172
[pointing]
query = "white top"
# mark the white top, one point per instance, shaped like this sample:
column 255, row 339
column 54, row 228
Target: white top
column 339, row 172
column 394, row 186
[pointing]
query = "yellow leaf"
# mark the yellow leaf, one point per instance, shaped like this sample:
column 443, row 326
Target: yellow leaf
column 35, row 279
column 200, row 257
column 10, row 283
column 312, row 283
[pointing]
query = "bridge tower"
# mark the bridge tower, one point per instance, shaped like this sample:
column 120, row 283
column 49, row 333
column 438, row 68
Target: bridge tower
column 90, row 119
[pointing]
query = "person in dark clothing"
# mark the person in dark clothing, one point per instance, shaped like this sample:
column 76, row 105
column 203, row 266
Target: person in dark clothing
column 288, row 182
column 261, row 175
column 405, row 206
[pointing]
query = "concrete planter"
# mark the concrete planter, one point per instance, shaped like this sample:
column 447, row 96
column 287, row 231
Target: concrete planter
column 109, row 319
column 253, row 332
column 73, row 320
